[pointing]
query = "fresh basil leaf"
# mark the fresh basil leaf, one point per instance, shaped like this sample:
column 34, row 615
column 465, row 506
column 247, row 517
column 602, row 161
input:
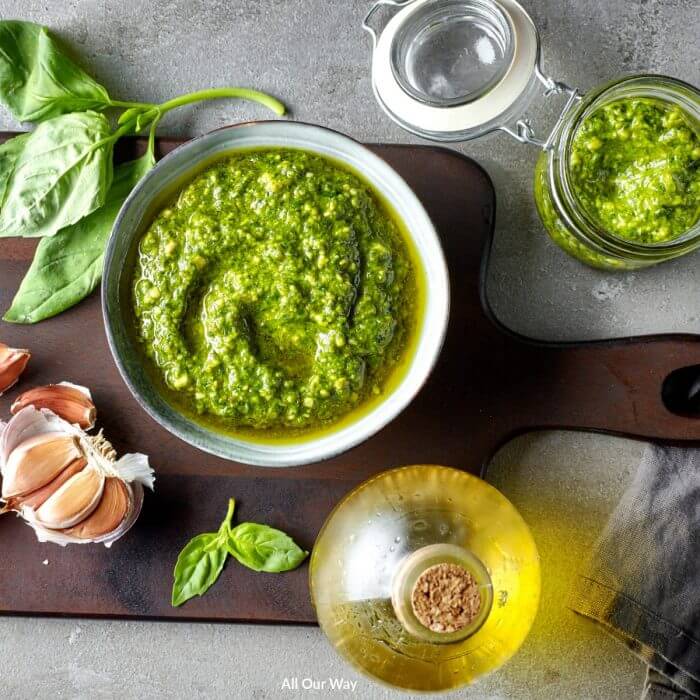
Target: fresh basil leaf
column 9, row 154
column 68, row 266
column 62, row 174
column 37, row 80
column 197, row 568
column 263, row 548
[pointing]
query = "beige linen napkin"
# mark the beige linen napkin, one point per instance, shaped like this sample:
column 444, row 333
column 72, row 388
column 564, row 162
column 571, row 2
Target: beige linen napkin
column 642, row 583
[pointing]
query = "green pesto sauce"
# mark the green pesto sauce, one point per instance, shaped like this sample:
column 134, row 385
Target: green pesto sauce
column 635, row 168
column 274, row 292
column 558, row 231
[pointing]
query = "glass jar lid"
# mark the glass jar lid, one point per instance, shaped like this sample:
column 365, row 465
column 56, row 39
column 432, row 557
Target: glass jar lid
column 454, row 69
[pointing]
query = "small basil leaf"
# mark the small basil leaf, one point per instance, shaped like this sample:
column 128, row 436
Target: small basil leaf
column 37, row 80
column 9, row 155
column 219, row 542
column 62, row 174
column 197, row 568
column 263, row 548
column 68, row 266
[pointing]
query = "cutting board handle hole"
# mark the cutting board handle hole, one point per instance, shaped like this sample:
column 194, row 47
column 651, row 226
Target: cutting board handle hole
column 681, row 391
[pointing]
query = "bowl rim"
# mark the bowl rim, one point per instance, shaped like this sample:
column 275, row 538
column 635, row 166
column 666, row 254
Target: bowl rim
column 282, row 455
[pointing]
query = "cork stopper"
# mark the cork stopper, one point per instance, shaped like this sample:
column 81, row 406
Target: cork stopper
column 441, row 593
column 446, row 598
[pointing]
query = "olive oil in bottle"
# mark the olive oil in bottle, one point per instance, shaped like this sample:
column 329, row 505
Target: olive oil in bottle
column 425, row 578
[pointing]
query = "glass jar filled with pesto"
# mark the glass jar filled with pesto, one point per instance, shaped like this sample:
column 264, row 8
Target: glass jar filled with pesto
column 617, row 184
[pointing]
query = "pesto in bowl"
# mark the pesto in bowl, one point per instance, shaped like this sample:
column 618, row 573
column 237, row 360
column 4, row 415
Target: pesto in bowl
column 274, row 294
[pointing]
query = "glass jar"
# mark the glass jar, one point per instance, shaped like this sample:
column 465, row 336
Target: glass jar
column 455, row 70
column 565, row 216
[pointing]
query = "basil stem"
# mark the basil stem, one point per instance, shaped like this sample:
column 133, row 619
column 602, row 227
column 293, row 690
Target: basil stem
column 136, row 119
column 221, row 93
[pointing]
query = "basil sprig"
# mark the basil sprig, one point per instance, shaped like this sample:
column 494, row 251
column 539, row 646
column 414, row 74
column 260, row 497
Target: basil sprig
column 258, row 547
column 57, row 181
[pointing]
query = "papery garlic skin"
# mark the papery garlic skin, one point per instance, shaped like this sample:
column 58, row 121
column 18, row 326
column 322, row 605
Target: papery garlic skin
column 26, row 424
column 12, row 363
column 81, row 503
column 71, row 402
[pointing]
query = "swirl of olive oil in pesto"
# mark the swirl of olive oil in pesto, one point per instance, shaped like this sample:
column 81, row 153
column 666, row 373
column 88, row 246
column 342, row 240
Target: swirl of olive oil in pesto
column 274, row 292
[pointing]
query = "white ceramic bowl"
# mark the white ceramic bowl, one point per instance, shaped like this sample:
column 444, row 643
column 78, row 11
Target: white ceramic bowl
column 174, row 169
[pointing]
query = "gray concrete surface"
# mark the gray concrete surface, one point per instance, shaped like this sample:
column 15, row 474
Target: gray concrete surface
column 313, row 55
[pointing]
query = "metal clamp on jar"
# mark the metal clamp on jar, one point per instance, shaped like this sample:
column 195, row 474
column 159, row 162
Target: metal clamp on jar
column 455, row 70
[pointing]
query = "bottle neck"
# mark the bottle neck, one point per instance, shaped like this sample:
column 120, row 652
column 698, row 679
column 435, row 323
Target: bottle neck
column 442, row 593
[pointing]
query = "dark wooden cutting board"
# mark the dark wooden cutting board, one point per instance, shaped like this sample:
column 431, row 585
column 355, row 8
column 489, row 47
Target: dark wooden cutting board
column 488, row 386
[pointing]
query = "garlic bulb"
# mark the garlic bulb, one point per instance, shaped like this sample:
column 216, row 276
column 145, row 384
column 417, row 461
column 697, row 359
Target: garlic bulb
column 68, row 485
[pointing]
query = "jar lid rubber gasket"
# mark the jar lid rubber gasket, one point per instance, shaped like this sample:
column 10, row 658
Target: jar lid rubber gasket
column 469, row 119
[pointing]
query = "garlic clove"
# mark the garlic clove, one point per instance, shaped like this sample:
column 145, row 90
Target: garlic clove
column 38, row 497
column 71, row 402
column 72, row 502
column 12, row 364
column 37, row 461
column 60, row 537
column 111, row 511
column 26, row 424
column 136, row 489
